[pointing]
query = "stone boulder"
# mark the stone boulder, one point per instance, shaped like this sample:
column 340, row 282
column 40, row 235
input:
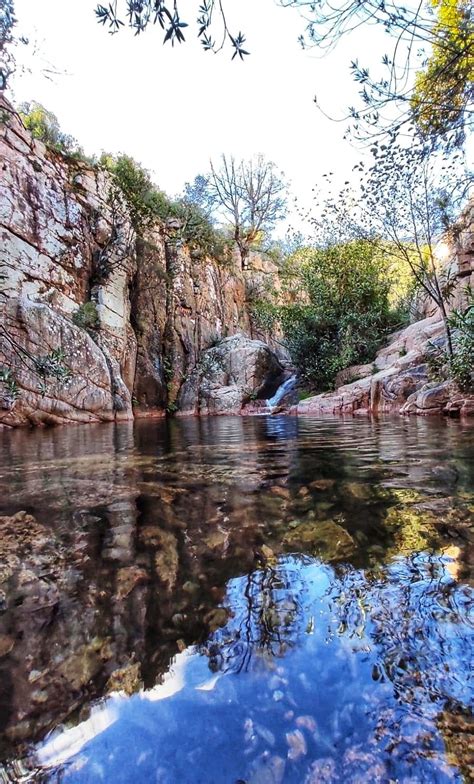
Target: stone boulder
column 229, row 375
column 439, row 398
column 89, row 391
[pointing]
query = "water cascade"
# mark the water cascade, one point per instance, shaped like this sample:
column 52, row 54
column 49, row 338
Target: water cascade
column 282, row 390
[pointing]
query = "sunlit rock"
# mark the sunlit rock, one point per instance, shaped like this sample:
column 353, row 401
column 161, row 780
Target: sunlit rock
column 326, row 539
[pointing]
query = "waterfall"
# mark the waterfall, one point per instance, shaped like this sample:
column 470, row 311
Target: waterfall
column 282, row 390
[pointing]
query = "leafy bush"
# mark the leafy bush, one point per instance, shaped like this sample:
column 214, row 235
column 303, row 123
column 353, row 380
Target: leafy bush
column 11, row 386
column 265, row 314
column 343, row 312
column 86, row 316
column 460, row 366
column 44, row 126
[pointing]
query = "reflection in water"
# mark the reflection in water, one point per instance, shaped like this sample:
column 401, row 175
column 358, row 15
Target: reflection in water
column 221, row 600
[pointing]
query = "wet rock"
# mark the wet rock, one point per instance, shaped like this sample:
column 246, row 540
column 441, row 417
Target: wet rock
column 457, row 726
column 445, row 474
column 80, row 667
column 6, row 644
column 358, row 490
column 128, row 578
column 303, row 492
column 322, row 484
column 267, row 553
column 191, row 588
column 270, row 771
column 216, row 539
column 228, row 375
column 265, row 734
column 327, row 539
column 281, row 492
column 126, row 679
column 297, row 745
column 166, row 555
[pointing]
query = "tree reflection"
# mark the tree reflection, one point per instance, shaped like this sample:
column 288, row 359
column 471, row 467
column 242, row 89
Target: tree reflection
column 266, row 621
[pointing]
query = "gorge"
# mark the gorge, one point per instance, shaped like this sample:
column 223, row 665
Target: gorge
column 101, row 324
column 220, row 576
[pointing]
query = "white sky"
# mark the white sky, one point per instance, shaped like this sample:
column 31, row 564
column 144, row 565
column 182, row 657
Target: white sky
column 173, row 109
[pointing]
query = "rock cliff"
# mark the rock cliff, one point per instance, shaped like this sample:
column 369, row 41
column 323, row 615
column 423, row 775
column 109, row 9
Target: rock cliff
column 96, row 323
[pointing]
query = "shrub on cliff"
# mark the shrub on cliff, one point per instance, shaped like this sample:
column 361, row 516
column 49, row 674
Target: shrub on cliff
column 44, row 126
column 86, row 316
column 458, row 366
column 184, row 222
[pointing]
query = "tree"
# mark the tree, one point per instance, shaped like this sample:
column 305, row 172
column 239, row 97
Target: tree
column 435, row 36
column 441, row 44
column 7, row 60
column 44, row 125
column 139, row 14
column 248, row 194
column 407, row 200
column 444, row 89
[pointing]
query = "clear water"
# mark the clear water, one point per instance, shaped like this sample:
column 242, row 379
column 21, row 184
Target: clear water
column 225, row 600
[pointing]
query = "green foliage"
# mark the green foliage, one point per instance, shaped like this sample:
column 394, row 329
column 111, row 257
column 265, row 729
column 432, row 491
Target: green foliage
column 138, row 15
column 444, row 89
column 185, row 222
column 86, row 316
column 458, row 366
column 264, row 314
column 52, row 365
column 304, row 394
column 167, row 368
column 344, row 312
column 44, row 126
column 462, row 361
column 11, row 386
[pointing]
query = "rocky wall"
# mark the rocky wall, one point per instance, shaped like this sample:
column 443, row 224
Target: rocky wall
column 68, row 245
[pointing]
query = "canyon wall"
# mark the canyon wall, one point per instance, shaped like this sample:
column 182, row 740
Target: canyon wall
column 98, row 324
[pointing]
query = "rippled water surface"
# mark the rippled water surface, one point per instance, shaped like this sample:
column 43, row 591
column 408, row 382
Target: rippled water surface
column 255, row 601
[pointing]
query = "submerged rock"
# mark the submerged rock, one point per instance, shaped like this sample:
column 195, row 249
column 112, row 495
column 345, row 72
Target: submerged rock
column 126, row 679
column 325, row 539
column 128, row 578
column 297, row 745
column 216, row 618
column 270, row 770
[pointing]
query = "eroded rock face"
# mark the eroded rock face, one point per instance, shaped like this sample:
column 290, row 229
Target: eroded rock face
column 400, row 383
column 66, row 243
column 56, row 221
column 229, row 375
column 85, row 395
